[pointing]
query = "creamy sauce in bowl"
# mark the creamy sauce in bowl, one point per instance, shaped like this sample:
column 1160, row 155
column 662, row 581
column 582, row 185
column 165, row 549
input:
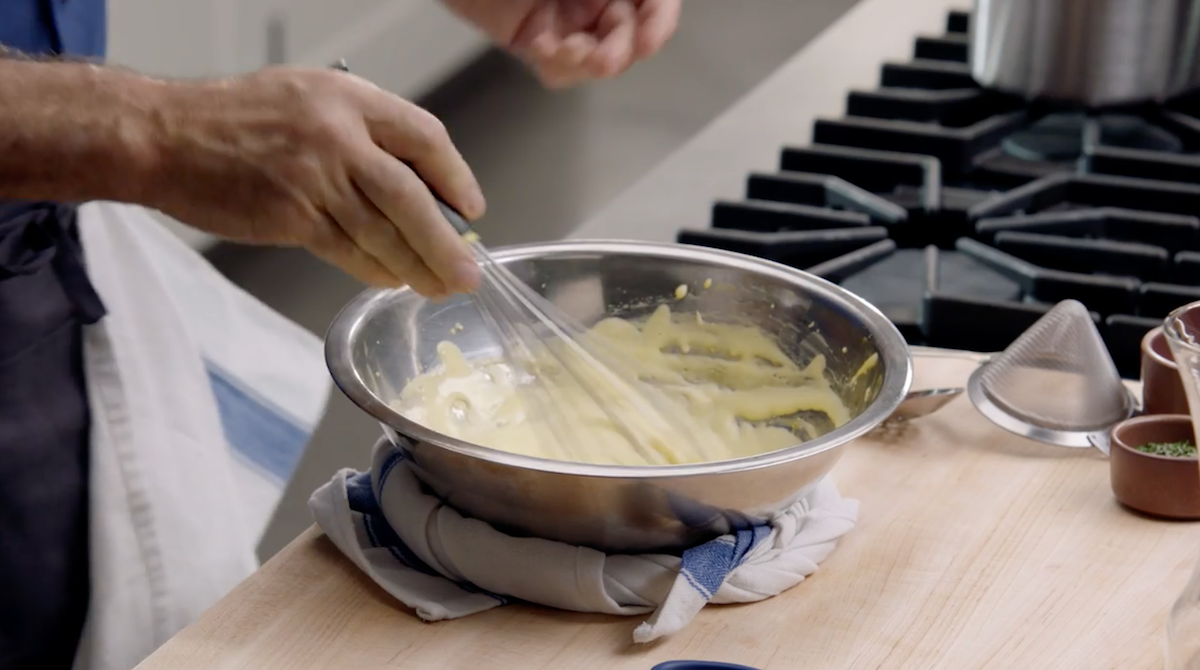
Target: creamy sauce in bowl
column 719, row 391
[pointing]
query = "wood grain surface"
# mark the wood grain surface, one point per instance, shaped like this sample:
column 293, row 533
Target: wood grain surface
column 975, row 549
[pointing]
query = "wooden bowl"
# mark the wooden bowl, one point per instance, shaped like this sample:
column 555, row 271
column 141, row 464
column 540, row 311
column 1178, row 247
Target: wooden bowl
column 1162, row 389
column 1161, row 486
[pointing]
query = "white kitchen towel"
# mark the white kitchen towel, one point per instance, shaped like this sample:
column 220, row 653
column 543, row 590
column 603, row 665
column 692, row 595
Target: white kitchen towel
column 446, row 566
column 202, row 402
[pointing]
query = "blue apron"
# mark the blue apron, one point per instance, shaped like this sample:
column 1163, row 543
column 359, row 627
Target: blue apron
column 45, row 299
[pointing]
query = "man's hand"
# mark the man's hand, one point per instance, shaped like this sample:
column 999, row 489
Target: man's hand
column 317, row 158
column 568, row 41
column 312, row 158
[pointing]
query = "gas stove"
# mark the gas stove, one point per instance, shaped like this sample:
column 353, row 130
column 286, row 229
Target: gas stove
column 965, row 215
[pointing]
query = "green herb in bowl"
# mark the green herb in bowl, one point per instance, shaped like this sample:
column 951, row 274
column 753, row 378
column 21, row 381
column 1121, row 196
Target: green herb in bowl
column 1183, row 449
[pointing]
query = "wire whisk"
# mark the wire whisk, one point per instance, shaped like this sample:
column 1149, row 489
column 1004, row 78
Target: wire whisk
column 549, row 350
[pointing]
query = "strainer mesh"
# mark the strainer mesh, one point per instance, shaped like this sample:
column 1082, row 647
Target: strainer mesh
column 1058, row 374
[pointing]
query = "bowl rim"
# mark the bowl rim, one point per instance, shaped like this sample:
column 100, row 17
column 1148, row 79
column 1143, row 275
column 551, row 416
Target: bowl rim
column 1148, row 348
column 893, row 353
column 1150, row 418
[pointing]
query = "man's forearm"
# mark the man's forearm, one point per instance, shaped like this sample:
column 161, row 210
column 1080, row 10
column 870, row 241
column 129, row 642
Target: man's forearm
column 75, row 131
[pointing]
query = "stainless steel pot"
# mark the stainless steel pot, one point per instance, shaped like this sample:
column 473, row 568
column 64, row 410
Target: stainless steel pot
column 1091, row 52
column 384, row 338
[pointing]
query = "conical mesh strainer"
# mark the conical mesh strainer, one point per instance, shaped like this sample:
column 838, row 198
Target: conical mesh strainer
column 1056, row 383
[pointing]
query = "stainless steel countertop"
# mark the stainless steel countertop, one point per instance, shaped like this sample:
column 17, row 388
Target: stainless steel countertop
column 680, row 191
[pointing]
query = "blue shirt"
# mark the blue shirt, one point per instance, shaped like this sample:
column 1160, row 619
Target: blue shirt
column 44, row 27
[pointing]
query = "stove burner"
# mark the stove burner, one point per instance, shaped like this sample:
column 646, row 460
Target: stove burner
column 1131, row 132
column 1062, row 137
column 964, row 214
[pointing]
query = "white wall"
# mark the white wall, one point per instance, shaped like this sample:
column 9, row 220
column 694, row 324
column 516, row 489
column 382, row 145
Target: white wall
column 412, row 44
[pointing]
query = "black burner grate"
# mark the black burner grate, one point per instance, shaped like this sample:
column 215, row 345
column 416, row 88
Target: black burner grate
column 965, row 214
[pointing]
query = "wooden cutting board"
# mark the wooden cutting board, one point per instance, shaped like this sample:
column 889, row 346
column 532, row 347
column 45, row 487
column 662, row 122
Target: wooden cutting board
column 975, row 549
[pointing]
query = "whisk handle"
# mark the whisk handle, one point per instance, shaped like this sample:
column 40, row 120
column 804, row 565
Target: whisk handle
column 456, row 220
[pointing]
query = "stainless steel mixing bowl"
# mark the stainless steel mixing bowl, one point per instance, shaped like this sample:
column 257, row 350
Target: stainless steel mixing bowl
column 384, row 338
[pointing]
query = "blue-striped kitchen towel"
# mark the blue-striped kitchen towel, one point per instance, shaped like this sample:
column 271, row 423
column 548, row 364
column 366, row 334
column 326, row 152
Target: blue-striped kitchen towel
column 445, row 566
column 202, row 401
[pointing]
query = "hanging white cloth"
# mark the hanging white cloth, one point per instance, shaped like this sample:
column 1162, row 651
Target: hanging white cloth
column 202, row 402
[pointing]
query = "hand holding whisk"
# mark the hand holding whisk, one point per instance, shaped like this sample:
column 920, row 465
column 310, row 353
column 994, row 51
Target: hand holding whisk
column 538, row 339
